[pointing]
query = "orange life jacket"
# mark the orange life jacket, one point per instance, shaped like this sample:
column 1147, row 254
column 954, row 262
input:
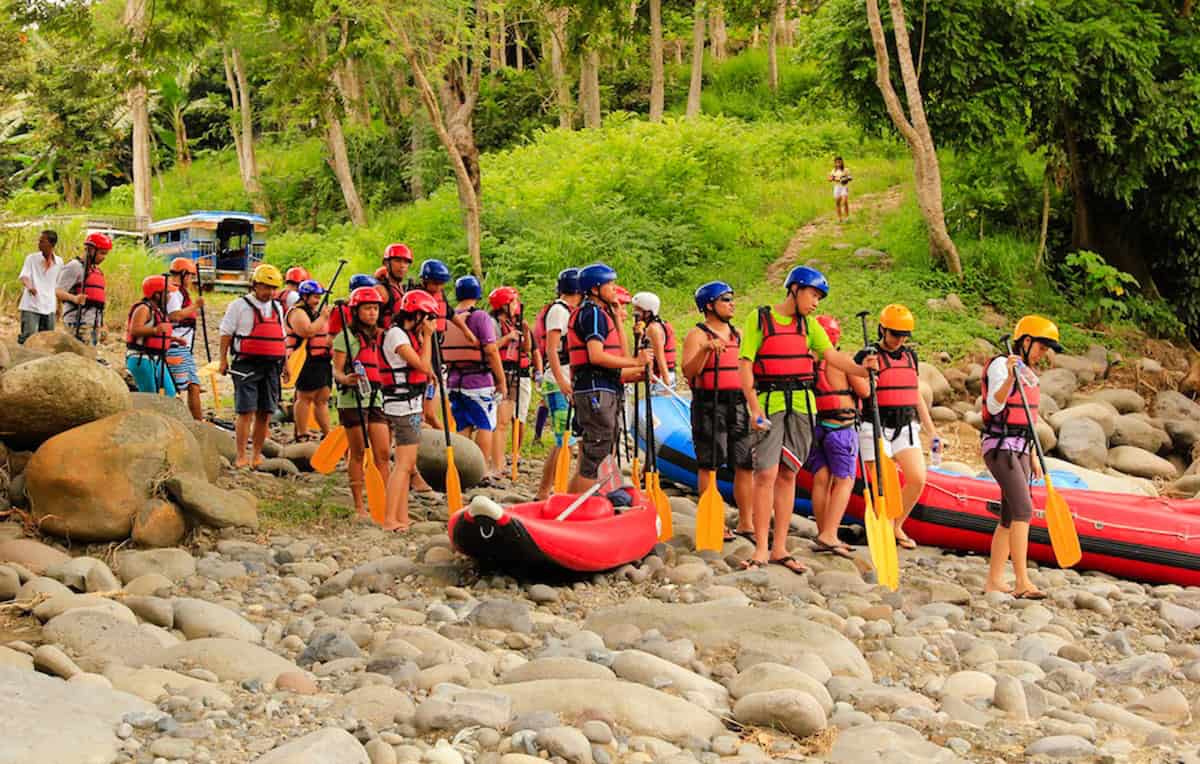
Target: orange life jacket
column 403, row 383
column 319, row 345
column 155, row 344
column 265, row 342
column 577, row 353
column 1012, row 420
column 783, row 360
column 541, row 335
column 834, row 404
column 722, row 373
column 897, row 385
column 668, row 343
column 459, row 352
column 513, row 354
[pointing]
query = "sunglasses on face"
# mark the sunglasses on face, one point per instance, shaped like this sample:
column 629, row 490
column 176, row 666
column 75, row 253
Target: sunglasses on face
column 898, row 334
column 726, row 298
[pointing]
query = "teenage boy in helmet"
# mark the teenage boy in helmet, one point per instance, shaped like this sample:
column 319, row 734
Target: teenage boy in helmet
column 550, row 333
column 600, row 366
column 710, row 364
column 182, row 311
column 81, row 290
column 253, row 329
column 658, row 332
column 898, row 395
column 393, row 279
column 833, row 460
column 147, row 338
column 781, row 345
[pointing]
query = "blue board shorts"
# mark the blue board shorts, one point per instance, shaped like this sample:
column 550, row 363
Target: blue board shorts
column 474, row 408
column 835, row 449
column 182, row 365
column 148, row 373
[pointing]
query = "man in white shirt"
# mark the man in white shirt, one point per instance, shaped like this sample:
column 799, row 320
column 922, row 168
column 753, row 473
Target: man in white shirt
column 39, row 276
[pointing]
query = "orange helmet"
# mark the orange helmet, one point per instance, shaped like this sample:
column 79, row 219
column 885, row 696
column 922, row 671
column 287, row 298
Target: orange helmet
column 418, row 301
column 296, row 274
column 1040, row 329
column 398, row 252
column 897, row 319
column 365, row 296
column 183, row 265
column 152, row 285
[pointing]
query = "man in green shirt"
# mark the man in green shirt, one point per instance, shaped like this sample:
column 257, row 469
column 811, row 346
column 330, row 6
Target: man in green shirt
column 778, row 368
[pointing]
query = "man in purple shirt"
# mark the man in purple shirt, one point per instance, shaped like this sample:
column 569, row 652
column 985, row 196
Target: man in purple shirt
column 476, row 381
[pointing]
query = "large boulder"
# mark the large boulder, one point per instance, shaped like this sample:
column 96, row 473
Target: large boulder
column 1084, row 369
column 431, row 459
column 1169, row 405
column 939, row 386
column 54, row 342
column 1101, row 413
column 1102, row 481
column 89, row 482
column 1082, row 441
column 212, row 505
column 1124, row 401
column 1135, row 461
column 1131, row 430
column 1058, row 384
column 173, row 407
column 43, row 398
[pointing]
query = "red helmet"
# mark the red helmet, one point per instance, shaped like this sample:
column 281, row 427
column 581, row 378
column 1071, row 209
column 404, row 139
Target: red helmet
column 182, row 265
column 99, row 241
column 418, row 301
column 365, row 296
column 296, row 274
column 623, row 296
column 501, row 296
column 398, row 252
column 831, row 326
column 381, row 272
column 152, row 285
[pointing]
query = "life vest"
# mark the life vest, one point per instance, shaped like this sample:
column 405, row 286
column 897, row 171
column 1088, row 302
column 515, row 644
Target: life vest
column 190, row 321
column 897, row 385
column 338, row 318
column 668, row 343
column 442, row 312
column 783, row 360
column 403, row 383
column 834, row 404
column 722, row 373
column 370, row 356
column 265, row 342
column 1012, row 420
column 577, row 352
column 391, row 302
column 459, row 352
column 92, row 286
column 541, row 335
column 513, row 355
column 318, row 345
column 155, row 344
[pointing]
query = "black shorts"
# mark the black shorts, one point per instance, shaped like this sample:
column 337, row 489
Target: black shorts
column 256, row 386
column 315, row 374
column 350, row 418
column 596, row 423
column 733, row 441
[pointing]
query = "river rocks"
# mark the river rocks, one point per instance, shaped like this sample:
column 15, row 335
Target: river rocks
column 34, row 556
column 558, row 667
column 172, row 564
column 765, row 677
column 1130, row 430
column 159, row 523
column 43, row 398
column 1169, row 405
column 1124, row 401
column 652, row 671
column 1185, row 434
column 96, row 499
column 452, row 708
column 887, row 742
column 1135, row 461
column 1085, row 369
column 792, row 711
column 377, row 705
column 212, row 505
column 197, row 619
column 1058, row 384
column 938, row 385
column 98, row 635
column 326, row 746
column 431, row 459
column 1061, row 747
column 1101, row 413
column 1082, row 441
column 230, row 659
column 969, row 685
column 1182, row 618
column 503, row 614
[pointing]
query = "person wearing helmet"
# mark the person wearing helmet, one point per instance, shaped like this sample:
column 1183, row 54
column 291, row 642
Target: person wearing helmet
column 289, row 295
column 658, row 332
column 432, row 278
column 1007, row 445
column 901, row 406
column 710, row 364
column 600, row 366
column 308, row 323
column 359, row 343
column 781, row 345
column 407, row 368
column 342, row 311
column 393, row 278
column 147, row 338
column 833, row 459
column 521, row 361
column 253, row 329
column 81, row 289
column 182, row 311
column 475, row 378
column 550, row 334
column 39, row 279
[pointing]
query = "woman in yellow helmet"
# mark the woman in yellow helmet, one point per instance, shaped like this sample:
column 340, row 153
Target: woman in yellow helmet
column 1007, row 442
column 901, row 406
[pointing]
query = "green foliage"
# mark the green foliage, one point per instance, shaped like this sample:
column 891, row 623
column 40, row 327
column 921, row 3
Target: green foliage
column 737, row 87
column 998, row 185
column 512, row 106
column 1099, row 288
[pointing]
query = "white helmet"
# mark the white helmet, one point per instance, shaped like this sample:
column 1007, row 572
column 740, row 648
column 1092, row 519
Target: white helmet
column 647, row 301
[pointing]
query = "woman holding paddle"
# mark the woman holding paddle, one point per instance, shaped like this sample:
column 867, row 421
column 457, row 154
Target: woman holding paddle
column 1007, row 442
column 360, row 402
column 308, row 323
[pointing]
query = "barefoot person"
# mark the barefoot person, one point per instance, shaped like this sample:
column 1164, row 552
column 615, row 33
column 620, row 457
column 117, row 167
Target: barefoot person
column 1007, row 442
column 659, row 333
column 710, row 364
column 840, row 178
column 308, row 324
column 521, row 360
column 898, row 395
column 407, row 369
column 833, row 460
column 780, row 347
column 550, row 332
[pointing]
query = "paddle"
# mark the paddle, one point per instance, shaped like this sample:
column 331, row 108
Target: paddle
column 885, row 469
column 209, row 368
column 881, row 538
column 453, row 483
column 562, row 462
column 295, row 361
column 653, row 488
column 376, row 488
column 1064, row 540
column 516, row 419
column 606, row 479
column 330, row 451
column 635, row 467
column 162, row 369
column 710, row 512
column 87, row 267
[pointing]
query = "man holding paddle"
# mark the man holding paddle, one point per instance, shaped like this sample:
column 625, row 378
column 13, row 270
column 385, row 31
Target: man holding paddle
column 550, row 333
column 308, row 324
column 182, row 311
column 81, row 289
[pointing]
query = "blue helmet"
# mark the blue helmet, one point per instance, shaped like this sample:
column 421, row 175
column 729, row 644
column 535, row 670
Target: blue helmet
column 310, row 286
column 706, row 294
column 568, row 281
column 361, row 280
column 435, row 271
column 594, row 275
column 803, row 276
column 467, row 288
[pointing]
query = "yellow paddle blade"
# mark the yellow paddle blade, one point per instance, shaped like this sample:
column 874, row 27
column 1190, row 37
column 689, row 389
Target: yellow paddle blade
column 516, row 447
column 1063, row 537
column 330, row 451
column 212, row 378
column 663, row 507
column 889, row 575
column 562, row 467
column 635, row 472
column 451, row 422
column 295, row 363
column 376, row 489
column 875, row 538
column 454, row 500
column 710, row 519
column 893, row 502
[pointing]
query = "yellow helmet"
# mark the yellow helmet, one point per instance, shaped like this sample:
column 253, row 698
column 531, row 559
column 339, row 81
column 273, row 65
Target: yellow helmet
column 1042, row 329
column 897, row 318
column 267, row 274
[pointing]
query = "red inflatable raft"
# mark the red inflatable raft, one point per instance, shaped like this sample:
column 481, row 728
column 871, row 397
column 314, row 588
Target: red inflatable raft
column 592, row 538
column 1136, row 537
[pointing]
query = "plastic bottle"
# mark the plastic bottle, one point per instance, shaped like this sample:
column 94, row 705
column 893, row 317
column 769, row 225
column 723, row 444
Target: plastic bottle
column 763, row 422
column 364, row 384
column 935, row 452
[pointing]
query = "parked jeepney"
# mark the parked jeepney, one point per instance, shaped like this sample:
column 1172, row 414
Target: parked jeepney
column 226, row 246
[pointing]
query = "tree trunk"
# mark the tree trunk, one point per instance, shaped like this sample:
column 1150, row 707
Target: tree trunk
column 657, row 84
column 556, row 20
column 339, row 161
column 773, row 48
column 787, row 36
column 926, row 170
column 519, row 37
column 1041, row 250
column 1081, row 222
column 589, row 87
column 755, row 36
column 697, row 82
column 497, row 35
column 718, row 35
column 68, row 183
column 139, row 112
column 183, row 153
column 678, row 45
column 242, row 124
column 85, row 189
column 416, row 147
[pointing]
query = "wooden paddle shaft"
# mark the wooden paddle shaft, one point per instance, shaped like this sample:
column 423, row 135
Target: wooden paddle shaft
column 862, row 316
column 1037, row 442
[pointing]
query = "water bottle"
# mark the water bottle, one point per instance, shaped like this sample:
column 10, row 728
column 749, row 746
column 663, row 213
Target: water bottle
column 935, row 452
column 763, row 422
column 364, row 384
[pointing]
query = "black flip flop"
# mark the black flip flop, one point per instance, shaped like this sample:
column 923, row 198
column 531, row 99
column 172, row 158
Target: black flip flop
column 783, row 562
column 820, row 547
column 1032, row 594
column 906, row 543
column 753, row 564
column 748, row 535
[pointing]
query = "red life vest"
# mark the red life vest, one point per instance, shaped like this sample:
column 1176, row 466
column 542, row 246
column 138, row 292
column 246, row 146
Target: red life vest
column 834, row 404
column 541, row 335
column 318, row 346
column 1012, row 420
column 338, row 318
column 369, row 356
column 577, row 353
column 190, row 321
column 897, row 385
column 459, row 352
column 783, row 360
column 668, row 343
column 391, row 301
column 722, row 372
column 265, row 342
column 513, row 352
column 155, row 344
column 92, row 286
column 403, row 383
column 442, row 312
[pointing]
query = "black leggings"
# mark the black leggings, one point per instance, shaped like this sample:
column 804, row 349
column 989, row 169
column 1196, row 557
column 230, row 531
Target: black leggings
column 1012, row 471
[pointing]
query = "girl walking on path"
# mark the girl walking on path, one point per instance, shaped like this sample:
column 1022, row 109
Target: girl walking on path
column 840, row 178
